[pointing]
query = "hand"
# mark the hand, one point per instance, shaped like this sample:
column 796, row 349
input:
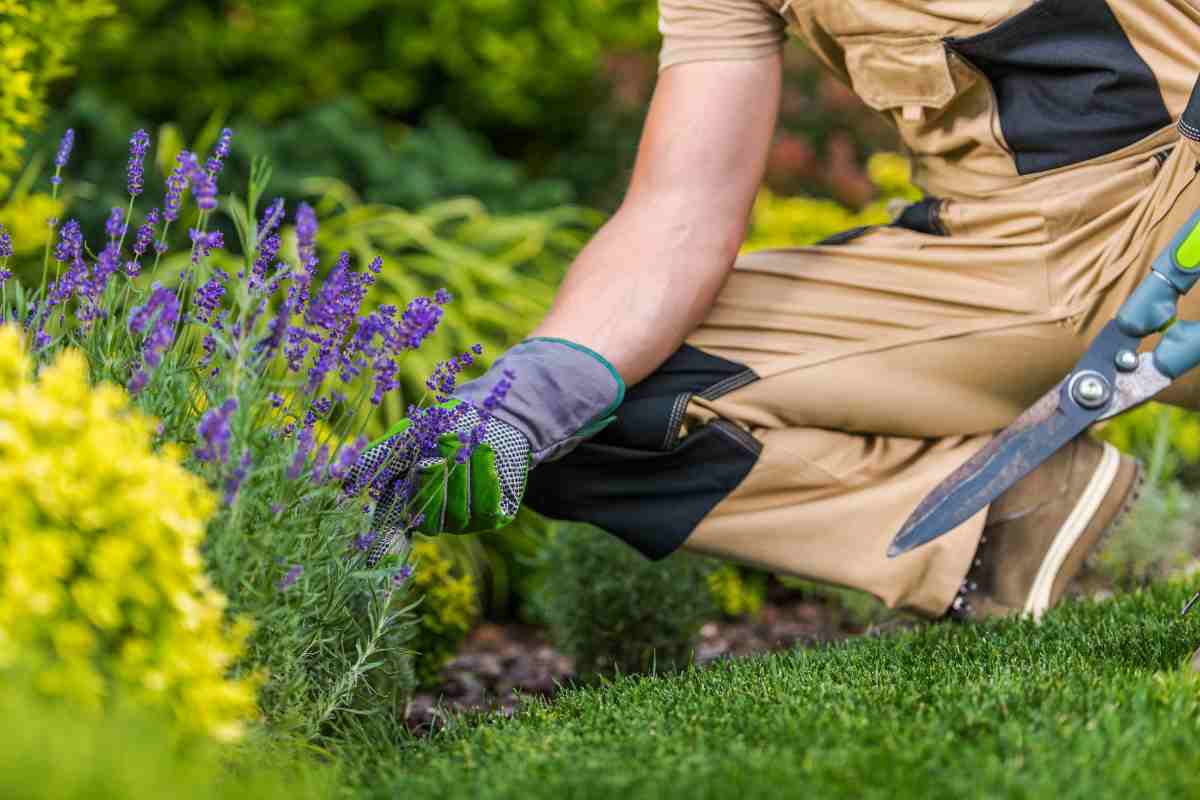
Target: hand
column 461, row 466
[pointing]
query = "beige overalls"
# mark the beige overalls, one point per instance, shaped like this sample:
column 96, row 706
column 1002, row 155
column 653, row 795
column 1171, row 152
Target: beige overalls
column 831, row 387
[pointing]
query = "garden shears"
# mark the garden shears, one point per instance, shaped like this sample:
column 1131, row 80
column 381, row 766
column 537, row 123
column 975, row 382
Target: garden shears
column 1109, row 379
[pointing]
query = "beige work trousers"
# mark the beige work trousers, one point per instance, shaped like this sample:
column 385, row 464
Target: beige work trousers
column 885, row 362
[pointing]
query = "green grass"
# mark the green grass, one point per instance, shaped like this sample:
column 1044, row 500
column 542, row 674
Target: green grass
column 1093, row 702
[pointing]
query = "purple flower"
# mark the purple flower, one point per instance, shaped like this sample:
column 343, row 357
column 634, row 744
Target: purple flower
column 276, row 508
column 402, row 575
column 234, row 482
column 319, row 462
column 304, row 444
column 163, row 309
column 471, row 439
column 271, row 219
column 418, row 322
column 204, row 243
column 6, row 248
column 217, row 160
column 214, row 432
column 177, row 184
column 115, row 226
column 363, row 542
column 142, row 242
column 204, row 188
column 306, row 244
column 376, row 265
column 291, row 577
column 347, row 458
column 207, row 299
column 69, row 249
column 276, row 400
column 137, row 382
column 137, row 154
column 63, row 154
column 268, row 248
column 5, row 277
column 442, row 297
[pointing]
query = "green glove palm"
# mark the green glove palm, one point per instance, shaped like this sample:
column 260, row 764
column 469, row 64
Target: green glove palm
column 461, row 489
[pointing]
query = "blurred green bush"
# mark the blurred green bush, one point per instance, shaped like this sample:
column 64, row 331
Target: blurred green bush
column 499, row 65
column 612, row 610
column 54, row 753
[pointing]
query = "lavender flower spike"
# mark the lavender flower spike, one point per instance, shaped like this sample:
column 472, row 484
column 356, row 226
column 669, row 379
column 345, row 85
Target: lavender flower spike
column 291, row 577
column 137, row 155
column 6, row 248
column 217, row 160
column 63, row 154
column 177, row 184
column 213, row 430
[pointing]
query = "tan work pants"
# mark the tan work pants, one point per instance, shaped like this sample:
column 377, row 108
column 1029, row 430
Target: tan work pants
column 885, row 362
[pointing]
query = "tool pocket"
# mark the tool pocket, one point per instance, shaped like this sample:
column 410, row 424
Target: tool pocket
column 643, row 478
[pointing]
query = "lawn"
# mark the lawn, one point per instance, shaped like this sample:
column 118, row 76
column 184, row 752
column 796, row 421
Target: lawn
column 1093, row 702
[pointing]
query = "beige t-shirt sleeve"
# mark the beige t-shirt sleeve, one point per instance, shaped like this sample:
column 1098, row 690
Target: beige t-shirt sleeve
column 718, row 30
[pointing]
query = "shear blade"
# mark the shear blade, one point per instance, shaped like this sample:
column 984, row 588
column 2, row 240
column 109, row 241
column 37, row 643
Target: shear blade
column 1015, row 452
column 1010, row 456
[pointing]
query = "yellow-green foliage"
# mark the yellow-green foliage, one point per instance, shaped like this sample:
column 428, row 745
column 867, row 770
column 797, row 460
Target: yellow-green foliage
column 796, row 221
column 102, row 586
column 1165, row 438
column 501, row 269
column 737, row 594
column 37, row 40
column 450, row 607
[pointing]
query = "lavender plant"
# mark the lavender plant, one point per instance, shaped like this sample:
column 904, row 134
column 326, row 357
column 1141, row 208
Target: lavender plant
column 266, row 369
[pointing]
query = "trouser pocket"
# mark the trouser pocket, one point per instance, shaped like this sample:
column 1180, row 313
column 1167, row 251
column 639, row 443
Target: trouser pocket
column 640, row 479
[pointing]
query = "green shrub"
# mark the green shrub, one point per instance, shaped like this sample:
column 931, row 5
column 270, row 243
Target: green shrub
column 499, row 64
column 611, row 609
column 377, row 160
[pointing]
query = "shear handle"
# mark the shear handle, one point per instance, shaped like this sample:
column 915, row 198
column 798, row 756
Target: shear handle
column 1153, row 306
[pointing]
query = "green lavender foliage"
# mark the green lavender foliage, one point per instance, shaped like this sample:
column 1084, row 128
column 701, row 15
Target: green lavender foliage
column 330, row 634
column 612, row 610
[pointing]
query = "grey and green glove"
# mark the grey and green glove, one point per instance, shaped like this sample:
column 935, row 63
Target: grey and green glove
column 559, row 393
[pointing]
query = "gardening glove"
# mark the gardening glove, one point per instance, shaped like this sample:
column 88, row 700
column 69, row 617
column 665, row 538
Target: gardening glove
column 559, row 393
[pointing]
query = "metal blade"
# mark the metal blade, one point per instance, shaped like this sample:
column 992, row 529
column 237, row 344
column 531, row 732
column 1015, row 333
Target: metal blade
column 1032, row 438
column 1012, row 455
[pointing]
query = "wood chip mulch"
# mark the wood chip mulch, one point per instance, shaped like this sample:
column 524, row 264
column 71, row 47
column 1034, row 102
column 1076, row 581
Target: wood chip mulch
column 498, row 665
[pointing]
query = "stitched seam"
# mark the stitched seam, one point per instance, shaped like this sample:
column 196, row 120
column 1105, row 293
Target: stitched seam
column 729, row 384
column 675, row 420
column 738, row 436
column 1189, row 130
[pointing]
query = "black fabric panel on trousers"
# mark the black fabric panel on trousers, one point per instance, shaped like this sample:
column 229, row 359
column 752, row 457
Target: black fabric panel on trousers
column 635, row 479
column 847, row 236
column 645, row 415
column 1069, row 84
column 922, row 217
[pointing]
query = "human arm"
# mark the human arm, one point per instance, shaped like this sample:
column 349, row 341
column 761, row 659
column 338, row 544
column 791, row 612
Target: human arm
column 651, row 273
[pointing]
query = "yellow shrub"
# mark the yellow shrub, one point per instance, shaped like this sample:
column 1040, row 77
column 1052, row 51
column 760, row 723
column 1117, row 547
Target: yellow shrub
column 37, row 39
column 102, row 586
column 25, row 216
column 797, row 221
column 735, row 595
column 450, row 608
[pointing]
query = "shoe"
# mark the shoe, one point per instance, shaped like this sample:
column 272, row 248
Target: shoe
column 1039, row 535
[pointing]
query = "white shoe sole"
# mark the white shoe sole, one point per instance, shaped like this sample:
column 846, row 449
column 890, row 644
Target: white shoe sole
column 1068, row 535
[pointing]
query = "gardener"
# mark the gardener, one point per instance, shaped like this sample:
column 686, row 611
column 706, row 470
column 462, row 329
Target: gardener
column 788, row 409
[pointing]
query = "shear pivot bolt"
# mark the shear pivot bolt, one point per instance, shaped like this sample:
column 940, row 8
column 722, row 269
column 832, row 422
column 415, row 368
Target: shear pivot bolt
column 1126, row 360
column 1090, row 391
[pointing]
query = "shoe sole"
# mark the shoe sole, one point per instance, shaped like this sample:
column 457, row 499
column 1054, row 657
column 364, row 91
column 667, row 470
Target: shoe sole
column 1041, row 593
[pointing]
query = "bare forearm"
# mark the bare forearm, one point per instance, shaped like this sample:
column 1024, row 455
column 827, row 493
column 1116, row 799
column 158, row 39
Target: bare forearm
column 651, row 274
column 642, row 284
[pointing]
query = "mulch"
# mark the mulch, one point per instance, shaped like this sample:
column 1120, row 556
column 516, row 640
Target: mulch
column 501, row 665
